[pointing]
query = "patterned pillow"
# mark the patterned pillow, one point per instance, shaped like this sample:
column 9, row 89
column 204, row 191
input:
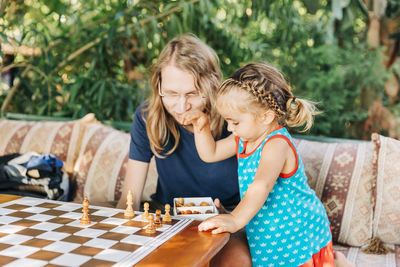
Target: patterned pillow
column 100, row 170
column 386, row 225
column 55, row 137
column 342, row 175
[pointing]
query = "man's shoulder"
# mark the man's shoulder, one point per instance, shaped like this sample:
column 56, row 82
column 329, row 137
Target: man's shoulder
column 142, row 107
column 141, row 111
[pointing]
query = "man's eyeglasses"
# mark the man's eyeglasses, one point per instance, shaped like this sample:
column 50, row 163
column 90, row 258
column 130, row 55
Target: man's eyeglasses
column 172, row 97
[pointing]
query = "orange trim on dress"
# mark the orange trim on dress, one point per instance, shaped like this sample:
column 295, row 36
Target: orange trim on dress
column 323, row 258
column 287, row 175
column 244, row 155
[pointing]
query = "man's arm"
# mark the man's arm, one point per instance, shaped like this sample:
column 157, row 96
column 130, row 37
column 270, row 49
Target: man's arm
column 135, row 180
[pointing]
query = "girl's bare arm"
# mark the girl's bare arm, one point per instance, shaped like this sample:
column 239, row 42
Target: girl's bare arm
column 273, row 158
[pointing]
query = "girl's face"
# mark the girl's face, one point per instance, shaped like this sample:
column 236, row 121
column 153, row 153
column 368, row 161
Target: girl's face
column 245, row 124
column 178, row 92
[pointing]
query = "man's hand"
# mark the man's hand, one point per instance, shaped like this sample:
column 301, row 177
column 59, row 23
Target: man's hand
column 221, row 209
column 219, row 224
column 198, row 119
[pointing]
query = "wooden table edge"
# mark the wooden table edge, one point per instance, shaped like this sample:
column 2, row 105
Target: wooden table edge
column 196, row 253
column 6, row 198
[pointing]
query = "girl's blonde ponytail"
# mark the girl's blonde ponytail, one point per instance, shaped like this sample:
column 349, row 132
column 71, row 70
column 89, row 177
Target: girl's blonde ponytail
column 300, row 112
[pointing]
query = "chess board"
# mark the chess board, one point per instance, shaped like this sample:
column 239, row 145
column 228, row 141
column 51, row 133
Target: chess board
column 37, row 232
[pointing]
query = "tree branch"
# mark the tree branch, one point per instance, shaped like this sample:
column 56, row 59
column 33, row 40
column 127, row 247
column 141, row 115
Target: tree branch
column 122, row 28
column 13, row 90
column 364, row 8
column 14, row 65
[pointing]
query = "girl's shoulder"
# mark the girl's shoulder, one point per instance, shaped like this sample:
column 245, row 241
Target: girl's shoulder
column 141, row 113
column 280, row 130
column 279, row 133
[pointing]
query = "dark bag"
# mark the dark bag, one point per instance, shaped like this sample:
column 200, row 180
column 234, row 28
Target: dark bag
column 32, row 174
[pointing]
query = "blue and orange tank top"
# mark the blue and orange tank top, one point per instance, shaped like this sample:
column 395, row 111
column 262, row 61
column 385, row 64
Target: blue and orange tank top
column 292, row 225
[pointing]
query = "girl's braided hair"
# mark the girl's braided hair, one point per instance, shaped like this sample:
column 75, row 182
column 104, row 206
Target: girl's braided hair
column 268, row 87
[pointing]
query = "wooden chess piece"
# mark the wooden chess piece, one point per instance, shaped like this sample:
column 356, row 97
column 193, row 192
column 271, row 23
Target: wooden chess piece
column 129, row 212
column 85, row 220
column 180, row 202
column 167, row 216
column 157, row 221
column 145, row 214
column 150, row 229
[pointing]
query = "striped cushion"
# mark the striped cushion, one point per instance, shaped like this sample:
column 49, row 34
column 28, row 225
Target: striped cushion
column 387, row 211
column 55, row 137
column 101, row 166
column 342, row 175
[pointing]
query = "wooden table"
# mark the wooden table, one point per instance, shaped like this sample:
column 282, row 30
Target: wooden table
column 187, row 248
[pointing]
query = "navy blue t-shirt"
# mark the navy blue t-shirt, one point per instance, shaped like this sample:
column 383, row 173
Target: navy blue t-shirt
column 183, row 173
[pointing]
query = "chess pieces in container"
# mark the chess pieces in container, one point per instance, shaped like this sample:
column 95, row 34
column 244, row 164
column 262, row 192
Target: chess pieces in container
column 146, row 208
column 157, row 221
column 179, row 202
column 167, row 216
column 150, row 229
column 129, row 212
column 199, row 208
column 85, row 220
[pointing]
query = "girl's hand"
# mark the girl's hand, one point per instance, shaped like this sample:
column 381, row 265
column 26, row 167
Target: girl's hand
column 219, row 224
column 197, row 118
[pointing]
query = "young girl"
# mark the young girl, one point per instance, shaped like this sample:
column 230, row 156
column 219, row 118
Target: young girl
column 286, row 223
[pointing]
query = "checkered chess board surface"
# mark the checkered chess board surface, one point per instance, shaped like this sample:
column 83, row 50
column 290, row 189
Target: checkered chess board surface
column 38, row 232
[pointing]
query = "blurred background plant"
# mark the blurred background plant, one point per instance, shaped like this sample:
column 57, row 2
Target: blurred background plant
column 66, row 58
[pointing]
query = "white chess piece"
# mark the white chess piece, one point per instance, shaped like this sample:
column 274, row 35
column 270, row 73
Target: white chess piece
column 167, row 216
column 129, row 212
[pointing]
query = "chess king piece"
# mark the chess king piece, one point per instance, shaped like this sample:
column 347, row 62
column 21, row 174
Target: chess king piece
column 167, row 216
column 157, row 221
column 151, row 229
column 145, row 214
column 129, row 212
column 85, row 210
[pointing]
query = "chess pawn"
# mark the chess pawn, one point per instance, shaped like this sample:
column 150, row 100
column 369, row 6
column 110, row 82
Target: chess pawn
column 129, row 212
column 157, row 221
column 167, row 216
column 150, row 227
column 145, row 214
column 85, row 212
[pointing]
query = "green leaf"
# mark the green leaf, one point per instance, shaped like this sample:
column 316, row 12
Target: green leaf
column 74, row 90
column 100, row 94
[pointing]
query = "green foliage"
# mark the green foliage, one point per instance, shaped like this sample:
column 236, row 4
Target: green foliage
column 341, row 76
column 337, row 79
column 89, row 48
column 95, row 54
